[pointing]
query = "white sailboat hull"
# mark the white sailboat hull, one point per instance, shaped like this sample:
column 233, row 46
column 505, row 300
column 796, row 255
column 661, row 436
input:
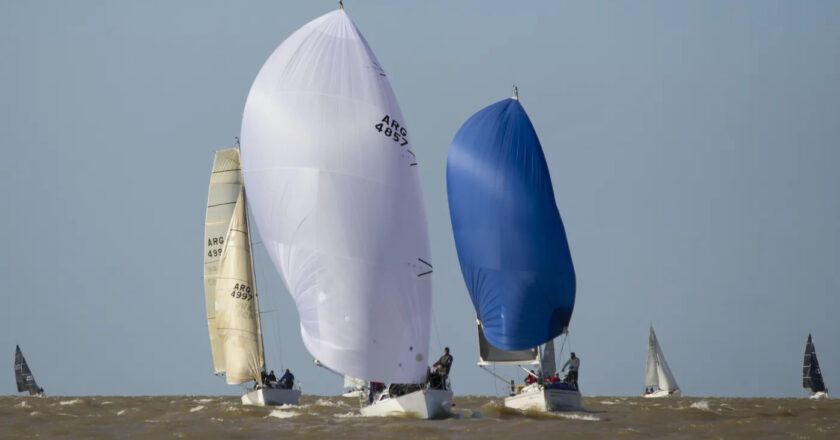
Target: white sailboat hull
column 539, row 399
column 425, row 404
column 662, row 393
column 819, row 395
column 271, row 396
column 354, row 394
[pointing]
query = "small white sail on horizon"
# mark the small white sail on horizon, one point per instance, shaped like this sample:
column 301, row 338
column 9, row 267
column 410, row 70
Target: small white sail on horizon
column 659, row 379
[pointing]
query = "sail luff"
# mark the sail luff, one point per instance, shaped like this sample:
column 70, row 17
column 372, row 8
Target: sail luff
column 254, row 280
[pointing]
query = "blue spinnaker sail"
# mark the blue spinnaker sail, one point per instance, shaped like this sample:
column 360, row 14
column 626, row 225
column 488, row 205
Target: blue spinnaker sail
column 510, row 239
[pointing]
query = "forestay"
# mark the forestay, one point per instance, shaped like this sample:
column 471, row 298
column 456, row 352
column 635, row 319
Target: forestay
column 657, row 372
column 332, row 183
column 237, row 314
column 23, row 375
column 225, row 186
column 509, row 236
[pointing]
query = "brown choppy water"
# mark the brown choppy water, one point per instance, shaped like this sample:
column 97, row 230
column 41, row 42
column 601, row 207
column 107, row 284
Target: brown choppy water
column 476, row 417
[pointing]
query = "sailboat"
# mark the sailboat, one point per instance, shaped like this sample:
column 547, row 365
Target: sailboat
column 23, row 375
column 332, row 182
column 812, row 378
column 659, row 381
column 233, row 315
column 512, row 249
column 353, row 386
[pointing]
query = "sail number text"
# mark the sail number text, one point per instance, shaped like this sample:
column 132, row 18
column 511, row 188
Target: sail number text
column 242, row 291
column 212, row 243
column 391, row 129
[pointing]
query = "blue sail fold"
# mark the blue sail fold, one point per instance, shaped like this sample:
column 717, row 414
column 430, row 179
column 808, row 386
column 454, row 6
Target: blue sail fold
column 509, row 236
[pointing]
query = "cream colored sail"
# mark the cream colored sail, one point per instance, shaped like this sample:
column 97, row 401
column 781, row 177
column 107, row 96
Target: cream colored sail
column 225, row 186
column 237, row 314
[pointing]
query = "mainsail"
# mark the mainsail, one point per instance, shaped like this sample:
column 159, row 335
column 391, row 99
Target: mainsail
column 333, row 186
column 23, row 375
column 237, row 312
column 811, row 374
column 225, row 186
column 657, row 372
column 510, row 238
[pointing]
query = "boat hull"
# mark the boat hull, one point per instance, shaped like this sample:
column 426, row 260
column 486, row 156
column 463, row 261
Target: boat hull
column 662, row 393
column 424, row 404
column 819, row 395
column 538, row 399
column 271, row 396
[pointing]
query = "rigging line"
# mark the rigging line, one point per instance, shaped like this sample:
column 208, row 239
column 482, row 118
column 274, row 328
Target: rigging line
column 437, row 332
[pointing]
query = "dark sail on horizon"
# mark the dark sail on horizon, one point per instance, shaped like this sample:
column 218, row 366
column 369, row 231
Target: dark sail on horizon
column 811, row 374
column 23, row 375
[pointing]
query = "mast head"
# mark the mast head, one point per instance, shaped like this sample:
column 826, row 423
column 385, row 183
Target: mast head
column 340, row 4
column 515, row 92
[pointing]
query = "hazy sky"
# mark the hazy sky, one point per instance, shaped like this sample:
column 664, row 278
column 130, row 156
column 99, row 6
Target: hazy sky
column 693, row 148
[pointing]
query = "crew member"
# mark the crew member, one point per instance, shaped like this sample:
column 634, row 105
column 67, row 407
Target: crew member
column 444, row 364
column 574, row 365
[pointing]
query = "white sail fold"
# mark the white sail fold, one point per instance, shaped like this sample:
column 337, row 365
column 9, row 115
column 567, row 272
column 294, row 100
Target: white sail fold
column 333, row 187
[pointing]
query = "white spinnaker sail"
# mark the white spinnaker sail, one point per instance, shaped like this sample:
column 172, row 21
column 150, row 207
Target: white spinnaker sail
column 237, row 315
column 225, row 185
column 333, row 187
column 657, row 372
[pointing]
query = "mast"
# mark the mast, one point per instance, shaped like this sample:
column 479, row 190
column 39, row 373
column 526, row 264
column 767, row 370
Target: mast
column 254, row 277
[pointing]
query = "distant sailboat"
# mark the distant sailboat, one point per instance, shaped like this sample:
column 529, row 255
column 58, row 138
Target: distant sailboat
column 23, row 376
column 512, row 248
column 812, row 378
column 230, row 286
column 659, row 381
column 333, row 186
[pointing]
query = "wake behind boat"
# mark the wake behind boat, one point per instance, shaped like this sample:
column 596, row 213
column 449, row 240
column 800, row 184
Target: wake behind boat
column 513, row 251
column 659, row 381
column 333, row 184
column 23, row 376
column 812, row 378
column 233, row 315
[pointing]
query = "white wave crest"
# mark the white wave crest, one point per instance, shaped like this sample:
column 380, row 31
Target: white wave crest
column 69, row 402
column 610, row 402
column 283, row 414
column 587, row 417
column 203, row 400
column 330, row 403
column 703, row 405
column 22, row 404
column 34, row 413
column 197, row 408
column 121, row 412
column 348, row 415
